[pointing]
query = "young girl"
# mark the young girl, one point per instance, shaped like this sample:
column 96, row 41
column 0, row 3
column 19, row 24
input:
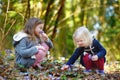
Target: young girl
column 92, row 53
column 41, row 52
column 30, row 44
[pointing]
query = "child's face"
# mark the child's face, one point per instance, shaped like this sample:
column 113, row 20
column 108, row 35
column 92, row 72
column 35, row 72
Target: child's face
column 80, row 42
column 38, row 29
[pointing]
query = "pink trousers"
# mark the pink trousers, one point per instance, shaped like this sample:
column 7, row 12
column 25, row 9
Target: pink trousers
column 89, row 64
column 41, row 55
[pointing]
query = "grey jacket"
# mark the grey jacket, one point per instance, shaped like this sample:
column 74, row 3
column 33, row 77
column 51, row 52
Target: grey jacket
column 24, row 49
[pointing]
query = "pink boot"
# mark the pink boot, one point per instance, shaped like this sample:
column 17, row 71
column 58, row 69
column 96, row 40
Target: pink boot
column 41, row 55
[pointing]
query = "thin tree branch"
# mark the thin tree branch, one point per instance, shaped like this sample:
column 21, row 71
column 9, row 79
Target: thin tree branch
column 89, row 8
column 4, row 26
column 8, row 30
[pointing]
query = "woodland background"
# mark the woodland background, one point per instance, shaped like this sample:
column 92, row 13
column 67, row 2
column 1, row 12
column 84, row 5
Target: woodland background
column 62, row 17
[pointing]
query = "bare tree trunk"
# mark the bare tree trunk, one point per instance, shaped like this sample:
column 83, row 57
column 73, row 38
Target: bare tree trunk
column 57, row 19
column 117, row 8
column 47, row 13
column 73, row 10
column 82, row 15
column 101, row 17
column 27, row 14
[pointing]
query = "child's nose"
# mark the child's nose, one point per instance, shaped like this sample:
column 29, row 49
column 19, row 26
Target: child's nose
column 79, row 43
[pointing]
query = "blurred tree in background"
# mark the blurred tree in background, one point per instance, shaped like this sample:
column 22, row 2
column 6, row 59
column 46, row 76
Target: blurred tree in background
column 61, row 18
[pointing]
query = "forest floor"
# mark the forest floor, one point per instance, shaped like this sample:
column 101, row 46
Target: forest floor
column 51, row 71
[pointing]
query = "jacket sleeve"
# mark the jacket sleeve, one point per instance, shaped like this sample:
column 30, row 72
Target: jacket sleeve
column 49, row 43
column 101, row 50
column 24, row 51
column 74, row 57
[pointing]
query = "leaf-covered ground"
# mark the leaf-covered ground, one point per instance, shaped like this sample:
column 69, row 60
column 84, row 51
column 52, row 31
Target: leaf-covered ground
column 51, row 71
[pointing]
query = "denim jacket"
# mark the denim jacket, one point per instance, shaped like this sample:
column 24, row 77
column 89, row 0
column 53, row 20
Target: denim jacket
column 25, row 48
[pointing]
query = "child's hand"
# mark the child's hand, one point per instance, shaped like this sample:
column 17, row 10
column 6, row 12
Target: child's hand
column 94, row 58
column 64, row 67
column 33, row 57
column 40, row 47
column 44, row 36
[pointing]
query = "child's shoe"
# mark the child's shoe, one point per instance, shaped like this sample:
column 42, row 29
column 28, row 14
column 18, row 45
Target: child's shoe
column 87, row 71
column 101, row 72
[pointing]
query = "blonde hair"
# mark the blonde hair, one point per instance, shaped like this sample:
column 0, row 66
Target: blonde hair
column 82, row 33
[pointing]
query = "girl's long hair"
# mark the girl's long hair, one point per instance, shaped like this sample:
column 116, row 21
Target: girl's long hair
column 82, row 33
column 30, row 26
